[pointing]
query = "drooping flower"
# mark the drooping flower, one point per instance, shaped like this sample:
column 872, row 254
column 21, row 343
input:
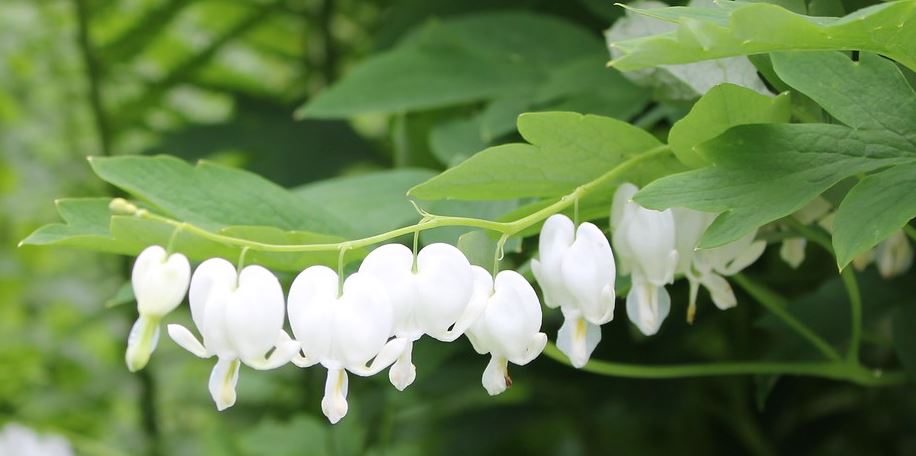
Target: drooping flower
column 342, row 331
column 430, row 297
column 240, row 318
column 893, row 256
column 792, row 250
column 160, row 282
column 645, row 243
column 709, row 267
column 508, row 328
column 576, row 272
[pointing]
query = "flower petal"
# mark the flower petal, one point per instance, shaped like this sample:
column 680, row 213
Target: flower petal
column 557, row 235
column 495, row 377
column 792, row 251
column 334, row 403
column 444, row 283
column 589, row 273
column 141, row 342
column 186, row 340
column 311, row 307
column 647, row 306
column 223, row 378
column 480, row 296
column 392, row 264
column 389, row 354
column 212, row 283
column 160, row 281
column 720, row 291
column 255, row 313
column 403, row 372
column 577, row 339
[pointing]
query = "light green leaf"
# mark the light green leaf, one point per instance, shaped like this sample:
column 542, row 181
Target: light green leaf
column 721, row 108
column 374, row 203
column 765, row 172
column 213, row 196
column 90, row 225
column 453, row 142
column 566, row 150
column 876, row 207
column 871, row 94
column 736, row 28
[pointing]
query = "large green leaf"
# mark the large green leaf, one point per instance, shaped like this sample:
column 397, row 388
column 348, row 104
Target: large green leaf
column 876, row 207
column 768, row 171
column 764, row 172
column 374, row 203
column 721, row 108
column 213, row 196
column 457, row 61
column 736, row 28
column 90, row 225
column 566, row 150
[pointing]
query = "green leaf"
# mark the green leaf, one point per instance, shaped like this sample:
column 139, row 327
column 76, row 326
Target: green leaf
column 566, row 150
column 453, row 142
column 90, row 225
column 721, row 108
column 768, row 171
column 213, row 196
column 456, row 61
column 375, row 202
column 872, row 93
column 735, row 28
column 876, row 207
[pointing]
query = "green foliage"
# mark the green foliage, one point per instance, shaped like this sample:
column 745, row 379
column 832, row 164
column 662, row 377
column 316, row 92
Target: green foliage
column 721, row 108
column 565, row 150
column 765, row 172
column 736, row 28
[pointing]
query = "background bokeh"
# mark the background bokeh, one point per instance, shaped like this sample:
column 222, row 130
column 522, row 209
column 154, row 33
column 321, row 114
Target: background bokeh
column 220, row 79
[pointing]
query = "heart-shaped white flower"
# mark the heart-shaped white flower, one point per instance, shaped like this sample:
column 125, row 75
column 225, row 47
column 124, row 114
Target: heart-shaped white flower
column 645, row 244
column 432, row 298
column 577, row 273
column 160, row 282
column 240, row 317
column 509, row 327
column 342, row 331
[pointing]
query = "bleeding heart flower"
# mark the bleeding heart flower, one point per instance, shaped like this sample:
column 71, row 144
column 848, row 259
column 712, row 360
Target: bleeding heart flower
column 576, row 272
column 645, row 243
column 240, row 317
column 430, row 297
column 509, row 326
column 342, row 331
column 160, row 282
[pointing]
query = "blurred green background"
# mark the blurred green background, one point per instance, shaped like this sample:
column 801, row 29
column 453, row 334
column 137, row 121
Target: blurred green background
column 220, row 79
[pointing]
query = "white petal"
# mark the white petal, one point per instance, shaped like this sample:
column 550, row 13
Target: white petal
column 495, row 377
column 223, row 378
column 577, row 339
column 211, row 286
column 480, row 296
column 255, row 313
column 894, row 255
column 690, row 226
column 557, row 235
column 444, row 283
column 648, row 306
column 646, row 239
column 363, row 322
column 284, row 351
column 389, row 354
column 403, row 372
column 334, row 403
column 141, row 342
column 720, row 290
column 311, row 304
column 511, row 319
column 183, row 337
column 392, row 264
column 792, row 251
column 160, row 282
column 589, row 273
column 622, row 198
column 745, row 258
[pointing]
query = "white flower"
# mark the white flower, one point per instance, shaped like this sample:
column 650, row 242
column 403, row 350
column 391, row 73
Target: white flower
column 160, row 282
column 342, row 331
column 428, row 298
column 893, row 256
column 708, row 267
column 576, row 272
column 792, row 250
column 509, row 327
column 645, row 243
column 240, row 317
column 18, row 440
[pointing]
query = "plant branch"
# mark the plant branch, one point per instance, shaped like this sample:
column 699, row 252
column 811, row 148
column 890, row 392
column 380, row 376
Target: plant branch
column 507, row 229
column 832, row 370
column 776, row 305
